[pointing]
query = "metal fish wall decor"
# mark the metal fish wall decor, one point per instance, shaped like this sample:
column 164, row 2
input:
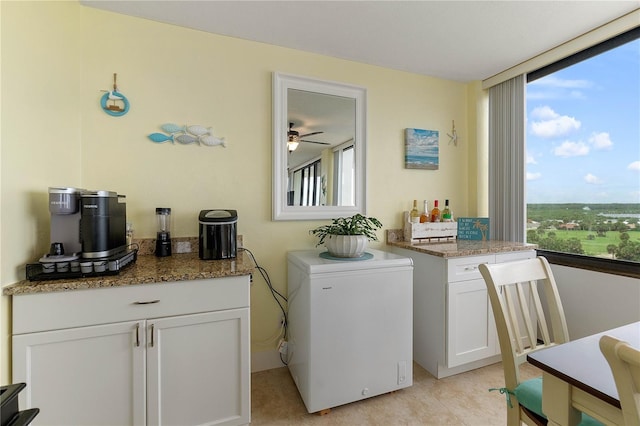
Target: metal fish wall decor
column 187, row 135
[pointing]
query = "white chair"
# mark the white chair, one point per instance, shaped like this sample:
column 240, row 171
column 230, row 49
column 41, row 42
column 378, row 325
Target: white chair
column 625, row 366
column 518, row 291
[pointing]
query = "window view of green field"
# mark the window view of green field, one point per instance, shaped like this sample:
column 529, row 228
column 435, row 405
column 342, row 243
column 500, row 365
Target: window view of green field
column 583, row 156
column 602, row 230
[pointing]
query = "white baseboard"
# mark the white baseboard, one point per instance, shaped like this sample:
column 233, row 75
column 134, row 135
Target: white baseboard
column 265, row 360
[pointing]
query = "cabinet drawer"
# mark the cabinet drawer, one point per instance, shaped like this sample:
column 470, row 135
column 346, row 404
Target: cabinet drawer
column 78, row 308
column 515, row 255
column 466, row 268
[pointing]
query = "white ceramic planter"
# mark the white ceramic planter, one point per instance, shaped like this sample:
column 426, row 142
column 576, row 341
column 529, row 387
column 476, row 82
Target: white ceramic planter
column 346, row 245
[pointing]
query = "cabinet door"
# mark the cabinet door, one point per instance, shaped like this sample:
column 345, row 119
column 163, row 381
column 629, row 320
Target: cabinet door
column 198, row 369
column 83, row 376
column 471, row 333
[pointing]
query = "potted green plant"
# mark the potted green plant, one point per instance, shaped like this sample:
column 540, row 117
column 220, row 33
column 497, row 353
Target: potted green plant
column 347, row 236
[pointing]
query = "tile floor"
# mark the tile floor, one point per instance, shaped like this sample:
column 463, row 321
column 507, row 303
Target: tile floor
column 462, row 399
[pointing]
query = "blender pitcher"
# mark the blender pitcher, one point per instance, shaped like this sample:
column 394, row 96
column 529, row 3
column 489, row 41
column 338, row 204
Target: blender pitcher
column 163, row 235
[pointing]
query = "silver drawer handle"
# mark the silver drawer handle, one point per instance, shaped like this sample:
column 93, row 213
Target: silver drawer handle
column 474, row 267
column 147, row 302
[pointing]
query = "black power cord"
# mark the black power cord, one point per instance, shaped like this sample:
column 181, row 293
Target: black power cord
column 275, row 293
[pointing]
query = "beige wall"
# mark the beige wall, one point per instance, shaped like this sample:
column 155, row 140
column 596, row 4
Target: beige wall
column 40, row 140
column 57, row 56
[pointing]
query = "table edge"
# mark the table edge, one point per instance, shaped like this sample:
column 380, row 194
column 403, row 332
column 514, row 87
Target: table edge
column 573, row 382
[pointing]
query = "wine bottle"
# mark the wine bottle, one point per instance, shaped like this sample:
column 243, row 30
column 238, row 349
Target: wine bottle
column 414, row 215
column 446, row 213
column 424, row 217
column 435, row 212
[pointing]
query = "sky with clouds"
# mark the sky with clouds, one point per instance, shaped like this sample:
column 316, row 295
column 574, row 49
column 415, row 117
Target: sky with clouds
column 583, row 131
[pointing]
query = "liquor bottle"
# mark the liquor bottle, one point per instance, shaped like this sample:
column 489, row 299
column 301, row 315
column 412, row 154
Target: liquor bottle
column 446, row 213
column 414, row 215
column 424, row 217
column 435, row 213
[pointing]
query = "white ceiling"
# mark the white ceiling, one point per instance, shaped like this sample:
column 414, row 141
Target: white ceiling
column 456, row 40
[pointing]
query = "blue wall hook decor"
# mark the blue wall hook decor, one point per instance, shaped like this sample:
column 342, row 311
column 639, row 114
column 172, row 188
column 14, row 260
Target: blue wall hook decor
column 113, row 102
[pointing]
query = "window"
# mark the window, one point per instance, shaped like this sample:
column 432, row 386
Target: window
column 308, row 182
column 344, row 168
column 305, row 186
column 583, row 153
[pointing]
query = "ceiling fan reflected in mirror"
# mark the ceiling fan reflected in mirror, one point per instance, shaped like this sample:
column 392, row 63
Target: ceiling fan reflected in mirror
column 294, row 138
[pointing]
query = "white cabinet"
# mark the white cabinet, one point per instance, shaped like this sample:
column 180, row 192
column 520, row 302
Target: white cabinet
column 158, row 354
column 471, row 332
column 197, row 370
column 350, row 327
column 87, row 375
column 453, row 326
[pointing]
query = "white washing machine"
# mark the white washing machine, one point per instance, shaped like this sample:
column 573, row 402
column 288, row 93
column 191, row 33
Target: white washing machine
column 350, row 326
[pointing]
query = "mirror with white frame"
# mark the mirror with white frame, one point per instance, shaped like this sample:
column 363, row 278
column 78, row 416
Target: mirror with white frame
column 319, row 148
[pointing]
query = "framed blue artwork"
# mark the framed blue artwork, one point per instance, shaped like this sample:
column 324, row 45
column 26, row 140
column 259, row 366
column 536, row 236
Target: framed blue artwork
column 421, row 149
column 473, row 228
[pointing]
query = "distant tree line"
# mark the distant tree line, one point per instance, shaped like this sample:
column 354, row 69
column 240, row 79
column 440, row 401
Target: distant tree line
column 625, row 250
column 549, row 241
column 552, row 216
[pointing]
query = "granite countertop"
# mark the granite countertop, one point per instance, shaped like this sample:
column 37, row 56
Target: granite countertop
column 456, row 248
column 148, row 269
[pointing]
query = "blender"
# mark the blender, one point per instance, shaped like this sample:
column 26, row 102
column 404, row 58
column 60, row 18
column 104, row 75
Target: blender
column 163, row 235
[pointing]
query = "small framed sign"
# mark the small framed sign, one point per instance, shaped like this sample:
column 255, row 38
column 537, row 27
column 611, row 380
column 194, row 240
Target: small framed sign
column 473, row 228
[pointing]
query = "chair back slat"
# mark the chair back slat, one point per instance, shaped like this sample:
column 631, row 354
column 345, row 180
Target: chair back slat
column 543, row 328
column 556, row 311
column 526, row 315
column 512, row 318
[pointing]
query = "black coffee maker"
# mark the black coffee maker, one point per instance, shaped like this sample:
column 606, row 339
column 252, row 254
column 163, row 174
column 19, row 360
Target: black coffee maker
column 90, row 223
column 103, row 219
column 163, row 235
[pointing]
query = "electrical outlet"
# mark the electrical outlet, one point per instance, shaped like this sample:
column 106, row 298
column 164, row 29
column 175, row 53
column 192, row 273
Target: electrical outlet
column 183, row 247
column 402, row 372
column 282, row 347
